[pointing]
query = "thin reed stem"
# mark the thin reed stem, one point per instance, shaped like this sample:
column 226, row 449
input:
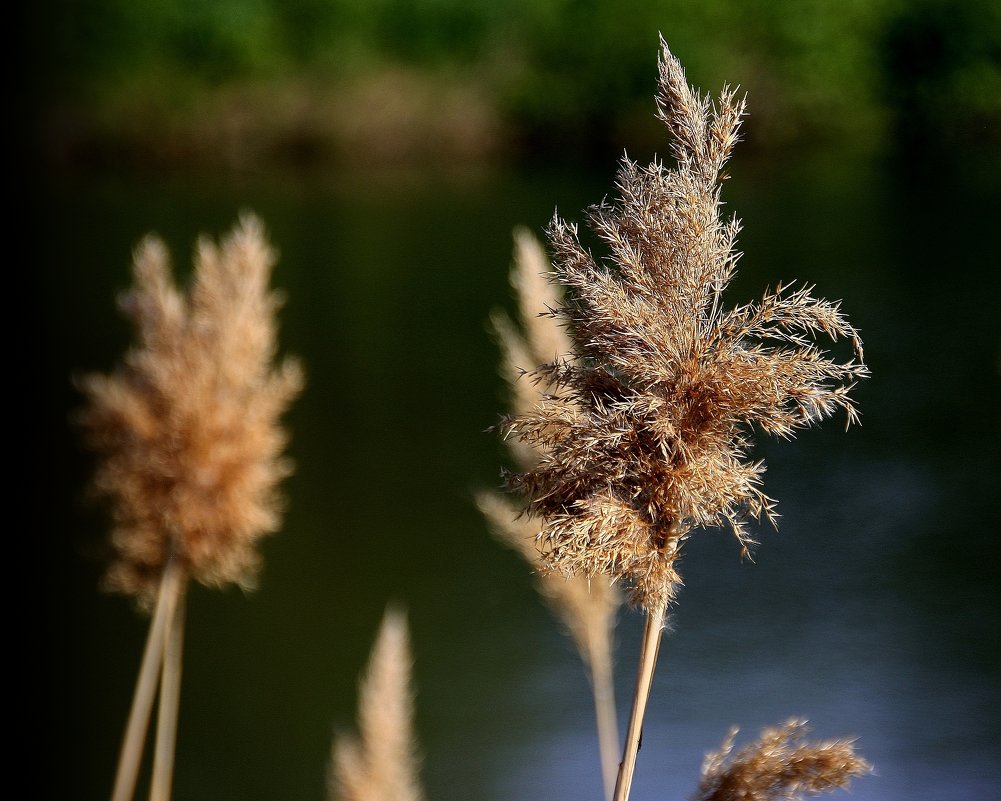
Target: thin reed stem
column 170, row 696
column 644, row 678
column 130, row 755
column 603, row 691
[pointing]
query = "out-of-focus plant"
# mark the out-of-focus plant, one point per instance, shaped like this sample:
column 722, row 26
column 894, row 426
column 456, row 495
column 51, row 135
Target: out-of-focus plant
column 188, row 434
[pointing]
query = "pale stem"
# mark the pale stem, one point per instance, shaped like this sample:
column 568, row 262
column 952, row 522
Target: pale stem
column 170, row 695
column 142, row 699
column 603, row 690
column 644, row 678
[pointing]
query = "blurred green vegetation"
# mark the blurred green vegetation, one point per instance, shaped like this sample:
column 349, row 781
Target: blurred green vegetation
column 531, row 76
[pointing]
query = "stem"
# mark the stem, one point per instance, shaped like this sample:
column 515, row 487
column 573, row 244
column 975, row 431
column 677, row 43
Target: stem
column 603, row 691
column 170, row 696
column 644, row 678
column 142, row 699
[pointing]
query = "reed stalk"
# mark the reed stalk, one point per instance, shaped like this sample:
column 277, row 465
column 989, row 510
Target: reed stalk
column 652, row 633
column 169, row 703
column 130, row 756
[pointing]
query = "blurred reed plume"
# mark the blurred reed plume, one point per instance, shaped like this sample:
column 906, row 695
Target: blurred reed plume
column 781, row 765
column 188, row 427
column 381, row 763
column 586, row 605
column 645, row 432
column 190, row 446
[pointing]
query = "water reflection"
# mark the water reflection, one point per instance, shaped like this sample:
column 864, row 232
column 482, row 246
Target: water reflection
column 872, row 611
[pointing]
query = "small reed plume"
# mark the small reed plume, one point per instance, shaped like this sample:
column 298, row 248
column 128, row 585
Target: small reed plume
column 381, row 764
column 190, row 449
column 586, row 605
column 646, row 436
column 781, row 765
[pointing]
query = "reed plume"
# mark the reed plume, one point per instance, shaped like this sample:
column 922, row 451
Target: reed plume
column 380, row 764
column 781, row 765
column 190, row 446
column 587, row 606
column 188, row 427
column 646, row 436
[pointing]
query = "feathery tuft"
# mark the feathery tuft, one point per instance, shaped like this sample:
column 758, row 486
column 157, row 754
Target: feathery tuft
column 381, row 764
column 781, row 765
column 187, row 428
column 644, row 431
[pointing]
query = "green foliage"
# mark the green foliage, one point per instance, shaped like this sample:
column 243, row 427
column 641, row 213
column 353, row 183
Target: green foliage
column 109, row 38
column 572, row 71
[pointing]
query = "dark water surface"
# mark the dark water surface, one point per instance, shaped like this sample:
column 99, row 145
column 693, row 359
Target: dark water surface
column 873, row 611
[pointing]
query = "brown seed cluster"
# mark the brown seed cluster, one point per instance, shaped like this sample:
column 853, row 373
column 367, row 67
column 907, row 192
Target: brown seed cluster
column 646, row 433
column 187, row 428
column 781, row 765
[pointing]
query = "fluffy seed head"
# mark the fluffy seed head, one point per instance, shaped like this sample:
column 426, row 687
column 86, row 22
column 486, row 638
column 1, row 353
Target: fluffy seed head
column 187, row 427
column 643, row 430
column 781, row 765
column 381, row 764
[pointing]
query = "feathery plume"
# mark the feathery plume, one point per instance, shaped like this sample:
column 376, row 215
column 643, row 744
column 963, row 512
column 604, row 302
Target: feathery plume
column 189, row 444
column 381, row 764
column 645, row 433
column 587, row 606
column 187, row 427
column 646, row 436
column 781, row 765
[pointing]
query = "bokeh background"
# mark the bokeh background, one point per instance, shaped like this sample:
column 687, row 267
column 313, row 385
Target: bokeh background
column 391, row 147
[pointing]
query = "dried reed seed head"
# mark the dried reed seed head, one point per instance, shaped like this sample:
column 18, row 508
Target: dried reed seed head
column 644, row 434
column 781, row 765
column 381, row 763
column 187, row 427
